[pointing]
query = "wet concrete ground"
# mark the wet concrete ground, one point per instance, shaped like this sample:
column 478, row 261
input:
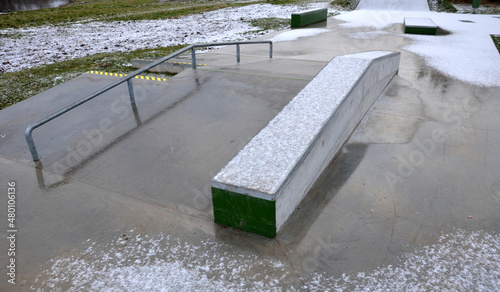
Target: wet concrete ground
column 134, row 197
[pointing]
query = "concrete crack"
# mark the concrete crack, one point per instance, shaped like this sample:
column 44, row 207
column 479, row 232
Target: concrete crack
column 290, row 263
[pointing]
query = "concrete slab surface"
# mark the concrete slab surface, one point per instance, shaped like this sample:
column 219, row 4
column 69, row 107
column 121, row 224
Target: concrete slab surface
column 419, row 176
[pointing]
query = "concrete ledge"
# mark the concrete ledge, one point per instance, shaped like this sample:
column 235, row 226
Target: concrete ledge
column 304, row 18
column 261, row 186
column 419, row 26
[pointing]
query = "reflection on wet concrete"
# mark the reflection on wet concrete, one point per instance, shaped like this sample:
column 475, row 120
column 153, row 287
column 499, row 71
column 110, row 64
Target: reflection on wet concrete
column 394, row 117
column 39, row 165
column 120, row 133
column 435, row 77
column 136, row 114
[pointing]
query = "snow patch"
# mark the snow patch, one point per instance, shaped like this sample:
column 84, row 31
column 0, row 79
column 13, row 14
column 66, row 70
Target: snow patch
column 298, row 33
column 460, row 261
column 467, row 53
column 367, row 35
column 159, row 263
column 407, row 5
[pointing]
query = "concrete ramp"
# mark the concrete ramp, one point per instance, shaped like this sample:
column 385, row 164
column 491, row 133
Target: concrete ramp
column 404, row 5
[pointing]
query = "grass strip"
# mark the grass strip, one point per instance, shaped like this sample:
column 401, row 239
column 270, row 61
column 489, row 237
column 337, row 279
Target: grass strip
column 20, row 85
column 265, row 24
column 347, row 5
column 441, row 6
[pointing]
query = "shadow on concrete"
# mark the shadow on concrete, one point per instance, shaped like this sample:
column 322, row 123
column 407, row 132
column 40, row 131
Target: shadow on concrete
column 323, row 191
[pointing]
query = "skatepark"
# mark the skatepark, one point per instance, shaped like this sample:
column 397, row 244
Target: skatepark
column 121, row 198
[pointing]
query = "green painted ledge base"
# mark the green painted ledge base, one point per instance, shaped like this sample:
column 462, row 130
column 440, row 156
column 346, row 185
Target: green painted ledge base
column 244, row 212
column 421, row 30
column 305, row 18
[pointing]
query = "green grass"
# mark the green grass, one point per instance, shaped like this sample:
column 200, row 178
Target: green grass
column 345, row 4
column 17, row 86
column 264, row 24
column 444, row 6
column 15, row 35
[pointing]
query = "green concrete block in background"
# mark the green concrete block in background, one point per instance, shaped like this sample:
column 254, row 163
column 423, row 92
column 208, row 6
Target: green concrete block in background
column 304, row 18
column 419, row 26
column 476, row 3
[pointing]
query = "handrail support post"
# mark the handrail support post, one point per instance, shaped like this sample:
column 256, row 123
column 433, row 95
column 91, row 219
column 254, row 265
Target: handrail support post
column 237, row 53
column 31, row 143
column 270, row 50
column 131, row 91
column 193, row 57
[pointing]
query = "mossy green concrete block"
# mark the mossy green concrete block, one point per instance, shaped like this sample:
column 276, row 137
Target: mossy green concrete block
column 421, row 30
column 244, row 212
column 420, row 26
column 304, row 18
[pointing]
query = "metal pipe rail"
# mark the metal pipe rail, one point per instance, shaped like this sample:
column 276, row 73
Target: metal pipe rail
column 128, row 79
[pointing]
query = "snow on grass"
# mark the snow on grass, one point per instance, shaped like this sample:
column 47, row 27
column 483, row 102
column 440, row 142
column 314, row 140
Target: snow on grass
column 295, row 34
column 367, row 35
column 460, row 261
column 467, row 53
column 49, row 44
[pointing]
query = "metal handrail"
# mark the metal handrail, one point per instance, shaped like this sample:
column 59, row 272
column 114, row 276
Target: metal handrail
column 128, row 79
